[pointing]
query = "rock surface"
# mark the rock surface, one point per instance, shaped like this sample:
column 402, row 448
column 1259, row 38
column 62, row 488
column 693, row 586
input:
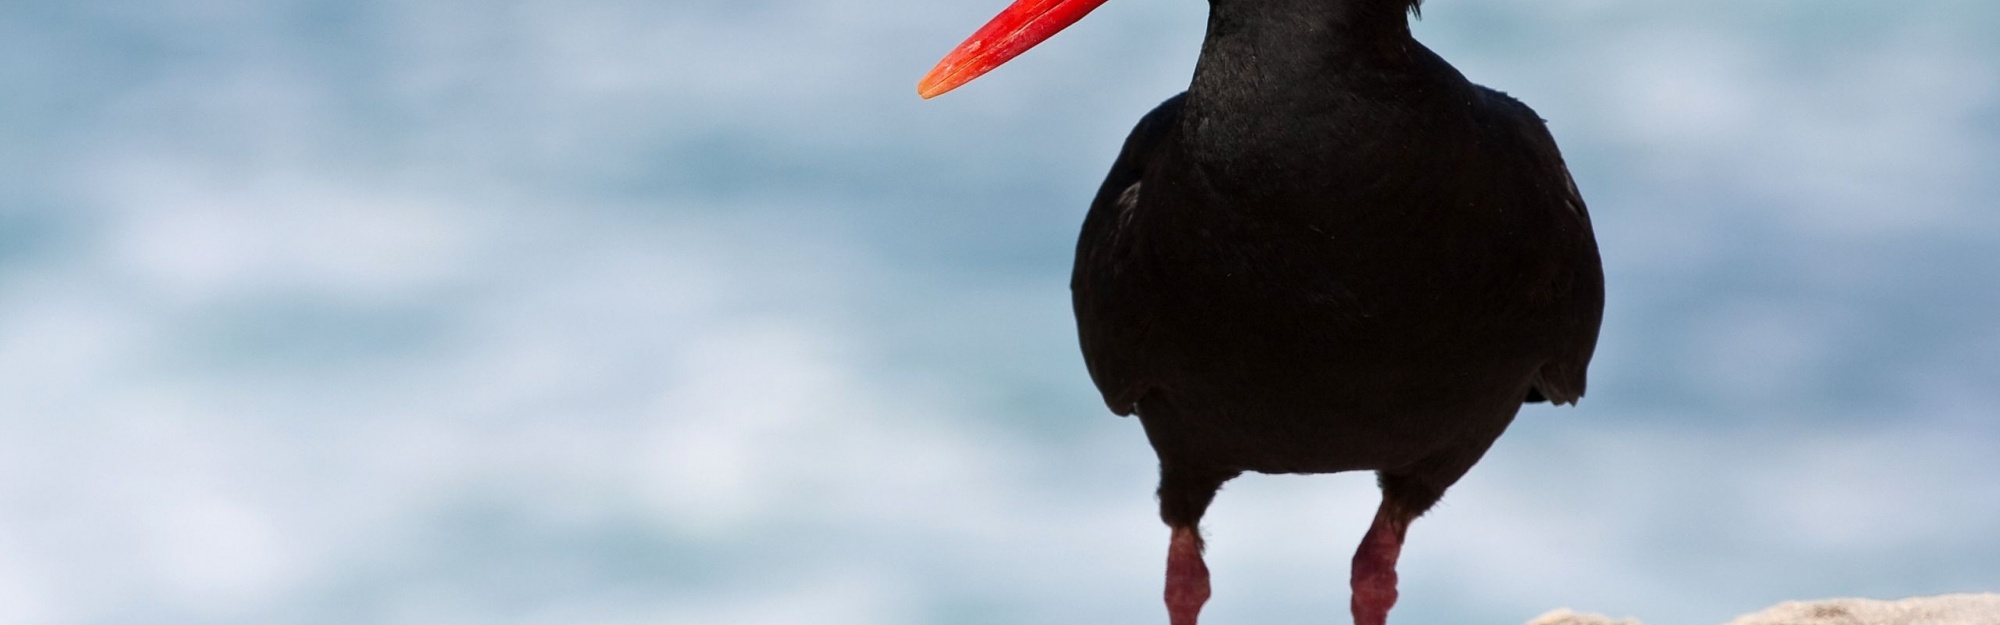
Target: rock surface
column 1982, row 609
column 1970, row 609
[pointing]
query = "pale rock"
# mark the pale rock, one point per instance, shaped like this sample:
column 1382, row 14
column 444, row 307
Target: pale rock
column 1981, row 609
column 1967, row 609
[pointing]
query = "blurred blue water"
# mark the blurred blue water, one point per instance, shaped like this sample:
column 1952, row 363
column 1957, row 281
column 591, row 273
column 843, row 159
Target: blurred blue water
column 691, row 312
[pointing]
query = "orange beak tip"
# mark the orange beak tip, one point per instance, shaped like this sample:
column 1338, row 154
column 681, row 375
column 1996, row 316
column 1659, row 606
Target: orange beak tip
column 928, row 89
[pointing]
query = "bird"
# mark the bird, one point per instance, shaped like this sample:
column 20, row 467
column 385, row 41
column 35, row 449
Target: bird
column 1332, row 252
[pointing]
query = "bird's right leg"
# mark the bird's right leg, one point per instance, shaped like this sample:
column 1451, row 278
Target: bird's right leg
column 1184, row 497
column 1187, row 577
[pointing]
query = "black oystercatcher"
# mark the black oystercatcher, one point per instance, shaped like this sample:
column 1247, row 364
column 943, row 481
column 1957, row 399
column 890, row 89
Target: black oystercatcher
column 1331, row 253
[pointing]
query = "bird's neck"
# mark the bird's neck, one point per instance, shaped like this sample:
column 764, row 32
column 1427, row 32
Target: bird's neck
column 1291, row 79
column 1262, row 50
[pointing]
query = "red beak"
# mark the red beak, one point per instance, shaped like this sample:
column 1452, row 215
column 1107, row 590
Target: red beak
column 1013, row 31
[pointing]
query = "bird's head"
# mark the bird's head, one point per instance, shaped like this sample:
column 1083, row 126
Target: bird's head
column 1029, row 22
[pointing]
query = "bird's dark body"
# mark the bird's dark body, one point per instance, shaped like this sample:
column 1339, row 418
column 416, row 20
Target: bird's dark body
column 1350, row 258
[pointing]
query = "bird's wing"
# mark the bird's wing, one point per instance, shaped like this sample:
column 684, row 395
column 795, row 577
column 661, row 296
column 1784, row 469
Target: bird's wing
column 1106, row 336
column 1578, row 291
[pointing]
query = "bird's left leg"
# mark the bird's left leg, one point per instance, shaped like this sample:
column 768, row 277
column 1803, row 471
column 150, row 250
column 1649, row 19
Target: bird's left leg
column 1374, row 571
column 1407, row 493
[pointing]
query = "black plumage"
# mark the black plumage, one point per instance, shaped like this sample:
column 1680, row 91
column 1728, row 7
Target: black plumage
column 1333, row 253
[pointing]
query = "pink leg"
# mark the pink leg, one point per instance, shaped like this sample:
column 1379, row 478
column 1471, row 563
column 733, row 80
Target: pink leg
column 1187, row 577
column 1374, row 570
